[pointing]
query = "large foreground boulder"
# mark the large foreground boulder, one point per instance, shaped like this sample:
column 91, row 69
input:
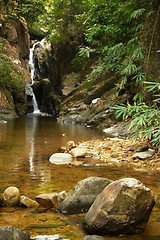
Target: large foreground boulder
column 12, row 233
column 123, row 207
column 81, row 197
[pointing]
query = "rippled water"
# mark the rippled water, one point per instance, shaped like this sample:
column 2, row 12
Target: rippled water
column 25, row 147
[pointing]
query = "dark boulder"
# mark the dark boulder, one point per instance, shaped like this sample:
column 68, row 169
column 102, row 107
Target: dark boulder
column 81, row 197
column 12, row 233
column 123, row 207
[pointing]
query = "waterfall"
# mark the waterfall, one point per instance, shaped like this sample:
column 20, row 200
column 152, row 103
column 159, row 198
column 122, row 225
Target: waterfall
column 31, row 62
column 36, row 55
column 35, row 105
column 32, row 73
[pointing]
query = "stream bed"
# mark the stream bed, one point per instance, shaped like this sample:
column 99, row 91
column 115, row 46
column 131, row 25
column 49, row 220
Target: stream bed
column 26, row 143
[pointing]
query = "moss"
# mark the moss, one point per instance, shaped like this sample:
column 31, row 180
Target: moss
column 11, row 78
column 10, row 74
column 36, row 32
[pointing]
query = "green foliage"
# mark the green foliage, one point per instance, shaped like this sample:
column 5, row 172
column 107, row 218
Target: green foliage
column 112, row 29
column 98, row 72
column 155, row 88
column 36, row 31
column 60, row 19
column 83, row 55
column 85, row 52
column 144, row 119
column 110, row 22
column 11, row 76
column 29, row 9
column 137, row 13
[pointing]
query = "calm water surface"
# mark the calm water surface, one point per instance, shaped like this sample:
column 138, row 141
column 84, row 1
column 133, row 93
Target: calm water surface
column 25, row 147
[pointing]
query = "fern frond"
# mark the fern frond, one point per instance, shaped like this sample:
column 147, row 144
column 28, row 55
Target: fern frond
column 138, row 54
column 129, row 70
column 136, row 14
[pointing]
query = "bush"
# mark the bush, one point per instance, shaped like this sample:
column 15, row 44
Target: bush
column 145, row 119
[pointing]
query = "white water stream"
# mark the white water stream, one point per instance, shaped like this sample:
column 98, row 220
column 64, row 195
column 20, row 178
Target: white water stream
column 32, row 72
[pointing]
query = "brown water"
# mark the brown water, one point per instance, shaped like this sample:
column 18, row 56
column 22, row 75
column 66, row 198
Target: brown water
column 25, row 147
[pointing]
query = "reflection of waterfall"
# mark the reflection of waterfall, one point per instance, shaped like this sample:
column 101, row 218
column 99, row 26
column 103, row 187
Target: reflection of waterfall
column 30, row 137
column 32, row 144
column 32, row 72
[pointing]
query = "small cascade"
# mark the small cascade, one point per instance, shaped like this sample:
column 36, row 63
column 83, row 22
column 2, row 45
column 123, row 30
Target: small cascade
column 39, row 88
column 35, row 105
column 31, row 99
column 32, row 72
column 31, row 62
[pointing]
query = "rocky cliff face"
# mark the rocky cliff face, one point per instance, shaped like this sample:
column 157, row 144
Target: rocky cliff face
column 90, row 106
column 52, row 62
column 14, row 52
column 60, row 90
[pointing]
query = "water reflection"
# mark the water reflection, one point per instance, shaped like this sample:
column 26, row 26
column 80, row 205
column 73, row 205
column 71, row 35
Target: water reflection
column 25, row 147
column 2, row 131
column 43, row 137
column 30, row 129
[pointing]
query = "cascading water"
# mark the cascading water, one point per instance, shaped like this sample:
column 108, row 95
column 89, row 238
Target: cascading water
column 36, row 91
column 32, row 72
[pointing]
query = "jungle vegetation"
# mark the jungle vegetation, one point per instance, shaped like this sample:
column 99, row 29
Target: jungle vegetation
column 119, row 36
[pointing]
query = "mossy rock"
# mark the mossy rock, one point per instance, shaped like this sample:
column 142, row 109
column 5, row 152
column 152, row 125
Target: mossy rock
column 12, row 82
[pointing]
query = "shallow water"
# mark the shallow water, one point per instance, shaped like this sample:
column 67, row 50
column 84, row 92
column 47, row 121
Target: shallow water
column 25, row 147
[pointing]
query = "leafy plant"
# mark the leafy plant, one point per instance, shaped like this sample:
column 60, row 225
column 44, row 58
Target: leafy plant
column 154, row 87
column 113, row 29
column 144, row 119
column 29, row 9
column 60, row 19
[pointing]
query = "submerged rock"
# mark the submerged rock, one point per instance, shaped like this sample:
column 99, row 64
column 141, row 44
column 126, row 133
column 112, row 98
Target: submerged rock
column 79, row 152
column 93, row 237
column 50, row 200
column 81, row 197
column 111, row 132
column 60, row 158
column 123, row 207
column 70, row 145
column 47, row 200
column 27, row 202
column 48, row 237
column 11, row 196
column 13, row 233
column 145, row 154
